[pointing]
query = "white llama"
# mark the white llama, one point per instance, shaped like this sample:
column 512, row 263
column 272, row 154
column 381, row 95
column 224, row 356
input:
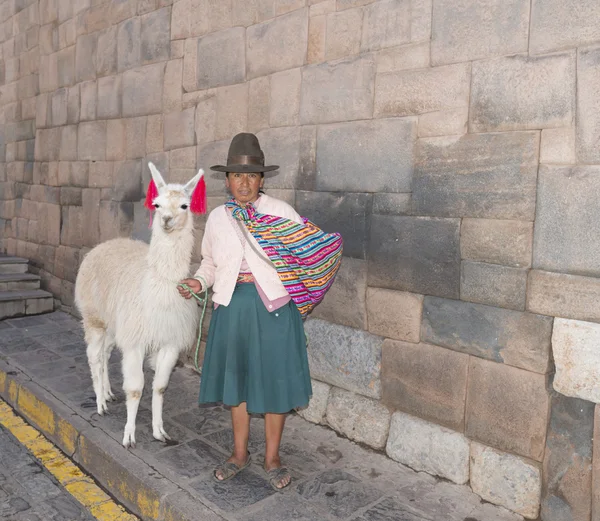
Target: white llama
column 126, row 292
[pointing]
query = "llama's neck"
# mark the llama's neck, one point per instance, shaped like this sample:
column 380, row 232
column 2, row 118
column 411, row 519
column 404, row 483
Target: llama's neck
column 170, row 254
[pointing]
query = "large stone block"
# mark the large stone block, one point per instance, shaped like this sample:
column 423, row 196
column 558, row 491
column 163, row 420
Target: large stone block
column 411, row 92
column 179, row 129
column 507, row 408
column 129, row 46
column 387, row 23
column 282, row 147
column 451, row 122
column 404, row 57
column 343, row 33
column 91, row 141
column 116, row 140
column 469, row 30
column 566, row 213
column 221, row 58
column 59, row 107
column 502, row 335
column 142, row 90
column 424, row 446
column 558, row 144
column 392, row 204
column 85, row 57
column 350, row 286
column 106, row 52
column 285, row 98
column 416, row 254
column 567, row 487
column 109, row 97
column 214, row 153
column 317, row 34
column 338, row 91
column 394, row 314
column 249, row 13
column 360, row 419
column 65, row 67
column 277, row 45
column 557, row 25
column 497, row 241
column 68, row 143
column 506, row 480
column 172, row 89
column 493, row 285
column 345, row 357
column 317, row 406
column 477, row 175
column 47, row 144
column 232, row 110
column 567, row 296
column 577, row 359
column 259, row 110
column 127, row 181
column 384, row 148
column 135, row 131
column 523, row 92
column 588, row 108
column 426, row 381
column 346, row 213
column 89, row 100
column 156, row 35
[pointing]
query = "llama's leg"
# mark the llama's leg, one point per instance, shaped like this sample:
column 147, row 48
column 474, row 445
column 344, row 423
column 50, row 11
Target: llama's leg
column 95, row 339
column 133, row 385
column 108, row 349
column 165, row 362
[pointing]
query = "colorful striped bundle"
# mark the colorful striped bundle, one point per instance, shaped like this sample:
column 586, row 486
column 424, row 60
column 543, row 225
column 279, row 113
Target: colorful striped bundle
column 306, row 258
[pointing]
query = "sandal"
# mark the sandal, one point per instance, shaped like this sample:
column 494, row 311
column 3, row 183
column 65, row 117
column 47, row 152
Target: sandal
column 229, row 469
column 277, row 475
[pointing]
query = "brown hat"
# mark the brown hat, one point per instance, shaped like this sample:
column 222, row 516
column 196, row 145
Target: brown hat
column 245, row 156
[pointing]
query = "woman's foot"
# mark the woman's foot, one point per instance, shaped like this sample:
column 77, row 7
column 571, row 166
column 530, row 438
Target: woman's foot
column 279, row 476
column 230, row 468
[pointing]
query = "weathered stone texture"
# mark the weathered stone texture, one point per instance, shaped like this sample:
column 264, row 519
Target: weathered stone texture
column 282, row 147
column 502, row 335
column 416, row 254
column 427, row 447
column 89, row 100
column 259, row 110
column 493, row 285
column 338, row 91
column 522, row 92
column 558, row 145
column 345, row 357
column 588, row 105
column 221, row 58
column 507, row 408
column 142, row 90
column 156, row 35
column 391, row 204
column 567, row 211
column 497, row 241
column 85, row 57
column 506, row 480
column 343, row 34
column 232, row 110
column 317, row 33
column 360, row 419
column 109, row 97
column 403, row 57
column 129, row 45
column 465, row 30
column 477, row 175
column 317, row 407
column 106, row 52
column 577, row 359
column 394, row 314
column 426, row 381
column 91, row 141
column 386, row 23
column 284, row 40
column 285, row 98
column 179, row 129
column 412, row 92
column 444, row 123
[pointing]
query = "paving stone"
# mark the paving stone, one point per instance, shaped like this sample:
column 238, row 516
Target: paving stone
column 497, row 241
column 156, row 35
column 425, row 446
column 142, row 90
column 358, row 418
column 426, row 381
column 345, row 213
column 350, row 286
column 277, row 45
column 565, row 213
column 220, row 58
column 507, row 408
column 394, row 314
column 129, row 46
column 179, row 129
column 317, row 406
column 287, row 506
column 493, row 285
column 184, row 461
column 558, row 144
column 384, row 147
column 340, row 91
column 567, row 470
column 588, row 112
column 224, row 439
column 345, row 357
column 468, row 30
column 416, row 254
column 502, row 335
column 477, row 175
column 412, row 92
column 504, row 479
column 204, row 420
column 500, row 86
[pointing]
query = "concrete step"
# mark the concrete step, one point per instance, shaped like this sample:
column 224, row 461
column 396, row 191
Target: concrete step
column 10, row 264
column 19, row 281
column 25, row 302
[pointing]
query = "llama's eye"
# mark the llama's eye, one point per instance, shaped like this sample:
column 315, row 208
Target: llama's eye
column 156, row 205
column 184, row 206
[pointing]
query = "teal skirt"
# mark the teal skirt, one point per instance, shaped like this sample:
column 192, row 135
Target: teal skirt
column 256, row 357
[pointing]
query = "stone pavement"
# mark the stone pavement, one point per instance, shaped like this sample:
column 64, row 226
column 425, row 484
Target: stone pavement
column 44, row 375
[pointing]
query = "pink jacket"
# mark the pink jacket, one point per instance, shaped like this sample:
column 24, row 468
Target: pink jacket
column 222, row 253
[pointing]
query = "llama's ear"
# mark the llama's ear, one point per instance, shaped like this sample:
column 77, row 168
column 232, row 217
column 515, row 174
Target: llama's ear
column 191, row 184
column 197, row 186
column 158, row 180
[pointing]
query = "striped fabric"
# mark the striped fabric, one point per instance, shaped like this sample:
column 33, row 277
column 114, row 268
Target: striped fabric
column 306, row 258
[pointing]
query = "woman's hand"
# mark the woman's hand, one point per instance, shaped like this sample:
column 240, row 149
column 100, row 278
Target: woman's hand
column 194, row 284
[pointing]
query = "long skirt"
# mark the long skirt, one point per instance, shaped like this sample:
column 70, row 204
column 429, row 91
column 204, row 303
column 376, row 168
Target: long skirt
column 256, row 357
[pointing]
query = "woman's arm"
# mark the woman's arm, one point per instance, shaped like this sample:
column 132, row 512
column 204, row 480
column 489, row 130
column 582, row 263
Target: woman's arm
column 204, row 277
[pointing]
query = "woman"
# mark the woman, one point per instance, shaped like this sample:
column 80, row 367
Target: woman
column 255, row 359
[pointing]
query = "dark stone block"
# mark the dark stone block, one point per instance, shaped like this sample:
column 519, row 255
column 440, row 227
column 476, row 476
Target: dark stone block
column 348, row 214
column 417, row 254
column 156, row 35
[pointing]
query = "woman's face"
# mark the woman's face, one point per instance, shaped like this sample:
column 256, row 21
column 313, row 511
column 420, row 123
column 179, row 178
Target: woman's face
column 244, row 187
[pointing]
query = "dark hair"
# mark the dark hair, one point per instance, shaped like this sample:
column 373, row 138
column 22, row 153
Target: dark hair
column 262, row 174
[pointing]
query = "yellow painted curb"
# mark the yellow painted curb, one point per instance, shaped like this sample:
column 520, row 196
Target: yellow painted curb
column 69, row 475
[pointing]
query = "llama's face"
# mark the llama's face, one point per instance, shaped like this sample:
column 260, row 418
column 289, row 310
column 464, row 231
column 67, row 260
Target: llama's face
column 172, row 208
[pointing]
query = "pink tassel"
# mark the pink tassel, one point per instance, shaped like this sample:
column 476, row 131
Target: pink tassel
column 151, row 193
column 198, row 202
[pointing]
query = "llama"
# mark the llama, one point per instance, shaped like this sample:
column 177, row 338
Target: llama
column 126, row 292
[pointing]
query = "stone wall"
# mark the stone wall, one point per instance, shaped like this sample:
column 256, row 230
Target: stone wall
column 454, row 143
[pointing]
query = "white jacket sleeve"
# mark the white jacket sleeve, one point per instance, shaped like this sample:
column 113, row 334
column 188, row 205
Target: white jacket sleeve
column 207, row 267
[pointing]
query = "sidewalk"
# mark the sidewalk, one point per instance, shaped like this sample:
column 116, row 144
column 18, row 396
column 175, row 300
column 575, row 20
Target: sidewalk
column 45, row 377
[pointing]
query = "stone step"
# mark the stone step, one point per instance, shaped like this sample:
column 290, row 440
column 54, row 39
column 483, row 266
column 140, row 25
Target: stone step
column 19, row 281
column 25, row 302
column 9, row 264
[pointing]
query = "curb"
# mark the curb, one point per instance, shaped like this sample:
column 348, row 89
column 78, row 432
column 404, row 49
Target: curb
column 134, row 483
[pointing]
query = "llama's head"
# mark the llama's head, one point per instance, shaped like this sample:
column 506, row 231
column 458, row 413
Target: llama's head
column 173, row 203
